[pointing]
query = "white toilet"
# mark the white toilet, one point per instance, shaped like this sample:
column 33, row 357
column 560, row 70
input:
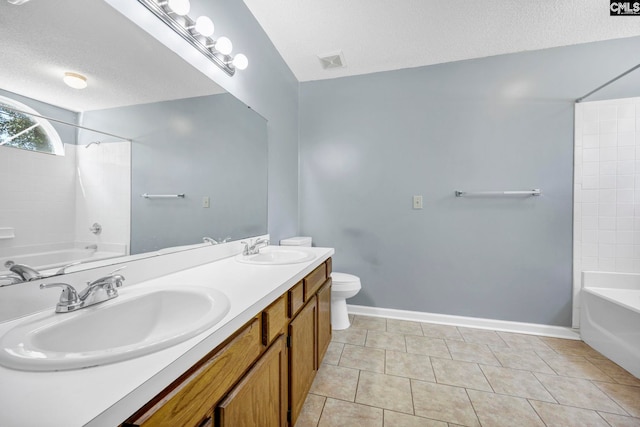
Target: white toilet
column 343, row 286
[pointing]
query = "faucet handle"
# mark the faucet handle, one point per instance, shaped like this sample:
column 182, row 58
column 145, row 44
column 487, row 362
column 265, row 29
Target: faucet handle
column 68, row 296
column 63, row 270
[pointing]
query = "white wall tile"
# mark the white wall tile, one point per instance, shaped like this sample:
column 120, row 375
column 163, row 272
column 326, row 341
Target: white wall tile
column 606, row 264
column 591, row 155
column 624, row 224
column 626, row 111
column 625, row 209
column 626, row 167
column 590, row 182
column 606, row 154
column 604, row 223
column 608, row 168
column 607, row 126
column 606, row 237
column 591, row 141
column 624, row 251
column 604, row 140
column 626, row 125
column 605, row 181
column 590, row 169
column 626, row 138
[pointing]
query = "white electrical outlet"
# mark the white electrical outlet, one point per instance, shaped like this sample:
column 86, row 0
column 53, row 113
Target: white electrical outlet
column 417, row 202
column 206, row 202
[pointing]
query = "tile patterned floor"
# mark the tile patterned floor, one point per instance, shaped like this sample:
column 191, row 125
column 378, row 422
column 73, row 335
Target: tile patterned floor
column 394, row 373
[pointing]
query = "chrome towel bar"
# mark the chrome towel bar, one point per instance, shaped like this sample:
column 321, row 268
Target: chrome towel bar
column 534, row 192
column 162, row 196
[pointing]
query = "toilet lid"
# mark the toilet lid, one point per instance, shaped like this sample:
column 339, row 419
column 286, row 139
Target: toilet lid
column 344, row 278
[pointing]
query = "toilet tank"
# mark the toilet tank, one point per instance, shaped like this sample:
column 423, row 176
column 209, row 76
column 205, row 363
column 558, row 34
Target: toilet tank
column 296, row 241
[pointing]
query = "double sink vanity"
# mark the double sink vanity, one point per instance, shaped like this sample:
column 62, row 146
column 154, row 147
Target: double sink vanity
column 234, row 341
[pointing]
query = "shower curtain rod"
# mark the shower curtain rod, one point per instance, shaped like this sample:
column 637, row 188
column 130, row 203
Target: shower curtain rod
column 608, row 83
column 65, row 123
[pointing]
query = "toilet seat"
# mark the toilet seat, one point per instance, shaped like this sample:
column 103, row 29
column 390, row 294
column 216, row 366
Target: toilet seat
column 345, row 282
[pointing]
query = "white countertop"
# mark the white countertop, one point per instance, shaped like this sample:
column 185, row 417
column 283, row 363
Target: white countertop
column 107, row 395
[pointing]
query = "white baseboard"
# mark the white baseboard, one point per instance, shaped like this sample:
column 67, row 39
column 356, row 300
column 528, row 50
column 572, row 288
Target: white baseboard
column 469, row 322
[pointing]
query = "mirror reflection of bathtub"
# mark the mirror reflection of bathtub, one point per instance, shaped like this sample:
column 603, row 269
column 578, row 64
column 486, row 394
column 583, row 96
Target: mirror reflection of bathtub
column 49, row 262
column 610, row 316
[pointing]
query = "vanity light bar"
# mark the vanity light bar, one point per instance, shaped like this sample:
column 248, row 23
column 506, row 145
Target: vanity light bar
column 182, row 25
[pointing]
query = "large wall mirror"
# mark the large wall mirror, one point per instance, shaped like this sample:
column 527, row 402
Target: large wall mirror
column 161, row 156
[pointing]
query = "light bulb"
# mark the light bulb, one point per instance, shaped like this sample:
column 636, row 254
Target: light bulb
column 75, row 80
column 204, row 26
column 240, row 61
column 179, row 7
column 223, row 45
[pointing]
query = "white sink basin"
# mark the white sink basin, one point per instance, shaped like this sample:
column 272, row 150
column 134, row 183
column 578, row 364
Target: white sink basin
column 275, row 255
column 137, row 322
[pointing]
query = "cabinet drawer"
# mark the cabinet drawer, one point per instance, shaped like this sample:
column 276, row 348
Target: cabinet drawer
column 314, row 280
column 296, row 299
column 191, row 400
column 274, row 319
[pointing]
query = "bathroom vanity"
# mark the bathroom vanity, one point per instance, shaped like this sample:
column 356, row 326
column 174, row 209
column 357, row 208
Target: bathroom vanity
column 259, row 376
column 254, row 367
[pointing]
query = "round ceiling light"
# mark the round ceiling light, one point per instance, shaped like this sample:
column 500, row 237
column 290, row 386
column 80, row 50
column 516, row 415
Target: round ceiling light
column 75, row 80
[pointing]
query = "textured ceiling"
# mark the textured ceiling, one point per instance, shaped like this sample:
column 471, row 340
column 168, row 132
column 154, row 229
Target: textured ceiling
column 42, row 39
column 382, row 35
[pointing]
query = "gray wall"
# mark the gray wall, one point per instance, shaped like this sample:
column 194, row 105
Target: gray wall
column 368, row 143
column 270, row 88
column 210, row 146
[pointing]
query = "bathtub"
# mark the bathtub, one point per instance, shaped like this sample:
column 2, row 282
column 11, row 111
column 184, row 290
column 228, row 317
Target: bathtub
column 55, row 259
column 610, row 316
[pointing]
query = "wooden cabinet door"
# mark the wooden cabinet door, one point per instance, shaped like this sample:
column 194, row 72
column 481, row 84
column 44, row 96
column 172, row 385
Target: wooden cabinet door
column 302, row 357
column 324, row 320
column 260, row 399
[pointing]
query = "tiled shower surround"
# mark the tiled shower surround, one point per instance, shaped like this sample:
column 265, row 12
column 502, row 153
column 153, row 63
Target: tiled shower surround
column 51, row 201
column 607, row 189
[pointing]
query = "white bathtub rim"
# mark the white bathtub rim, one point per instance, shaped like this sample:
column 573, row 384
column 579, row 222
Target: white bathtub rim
column 468, row 322
column 613, row 295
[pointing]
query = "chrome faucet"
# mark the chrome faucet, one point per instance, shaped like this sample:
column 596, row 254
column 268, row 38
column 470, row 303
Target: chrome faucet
column 210, row 240
column 25, row 272
column 10, row 279
column 252, row 249
column 100, row 290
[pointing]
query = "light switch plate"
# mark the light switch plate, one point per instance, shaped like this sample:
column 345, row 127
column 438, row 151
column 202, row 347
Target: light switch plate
column 417, row 202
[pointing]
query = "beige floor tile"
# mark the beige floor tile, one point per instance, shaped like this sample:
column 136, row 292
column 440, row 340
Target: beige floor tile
column 334, row 351
column 434, row 330
column 570, row 347
column 409, row 365
column 404, row 327
column 444, row 403
column 350, row 336
column 397, row 419
column 386, row 340
column 428, row 346
column 524, row 342
column 576, row 367
column 311, row 411
column 523, row 359
column 626, row 396
column 497, row 410
column 483, row 336
column 471, row 352
column 385, row 391
column 461, row 374
column 615, row 371
column 337, row 413
column 620, row 421
column 336, row 381
column 370, row 323
column 578, row 392
column 563, row 416
column 364, row 358
column 516, row 383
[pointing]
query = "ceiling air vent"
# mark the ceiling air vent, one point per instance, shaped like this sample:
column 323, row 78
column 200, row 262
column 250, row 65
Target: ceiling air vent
column 332, row 60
